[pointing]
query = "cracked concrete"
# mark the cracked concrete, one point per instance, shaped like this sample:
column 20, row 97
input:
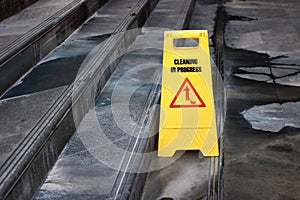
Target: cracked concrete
column 283, row 74
column 283, row 70
column 272, row 33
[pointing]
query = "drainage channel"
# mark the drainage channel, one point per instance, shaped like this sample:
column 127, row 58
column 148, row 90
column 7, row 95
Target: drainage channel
column 190, row 175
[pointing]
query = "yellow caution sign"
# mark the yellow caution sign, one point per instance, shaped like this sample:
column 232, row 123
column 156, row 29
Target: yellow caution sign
column 187, row 115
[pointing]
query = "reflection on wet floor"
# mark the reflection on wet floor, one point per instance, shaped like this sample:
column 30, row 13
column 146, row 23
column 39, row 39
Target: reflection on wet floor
column 182, row 179
column 58, row 69
column 274, row 117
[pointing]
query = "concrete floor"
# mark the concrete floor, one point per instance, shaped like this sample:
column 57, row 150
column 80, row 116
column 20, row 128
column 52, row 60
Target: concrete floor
column 262, row 135
column 262, row 78
column 188, row 175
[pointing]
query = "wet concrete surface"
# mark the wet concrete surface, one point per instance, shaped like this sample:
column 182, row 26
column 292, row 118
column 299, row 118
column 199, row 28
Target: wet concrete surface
column 274, row 117
column 187, row 176
column 58, row 70
column 183, row 179
column 108, row 131
column 92, row 160
column 23, row 105
column 48, row 75
column 61, row 66
column 15, row 26
column 262, row 127
column 261, row 76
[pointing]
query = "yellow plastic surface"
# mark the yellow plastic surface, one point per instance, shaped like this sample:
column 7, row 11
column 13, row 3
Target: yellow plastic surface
column 187, row 115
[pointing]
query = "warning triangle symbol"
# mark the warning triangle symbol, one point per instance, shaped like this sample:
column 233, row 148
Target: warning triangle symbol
column 187, row 92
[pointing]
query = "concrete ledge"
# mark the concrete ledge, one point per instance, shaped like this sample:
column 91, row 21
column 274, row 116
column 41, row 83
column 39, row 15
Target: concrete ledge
column 10, row 7
column 25, row 52
column 30, row 162
column 76, row 164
